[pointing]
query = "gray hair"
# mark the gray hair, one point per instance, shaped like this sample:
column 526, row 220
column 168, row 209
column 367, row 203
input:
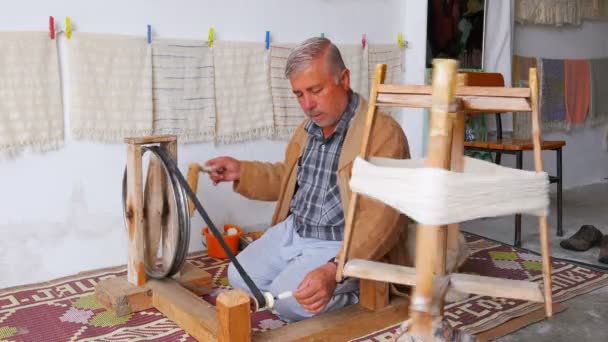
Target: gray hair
column 311, row 49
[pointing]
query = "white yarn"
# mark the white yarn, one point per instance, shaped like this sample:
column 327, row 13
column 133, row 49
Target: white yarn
column 436, row 196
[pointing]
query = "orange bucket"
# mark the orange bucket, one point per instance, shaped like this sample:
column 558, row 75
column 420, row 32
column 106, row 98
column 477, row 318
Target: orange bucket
column 215, row 250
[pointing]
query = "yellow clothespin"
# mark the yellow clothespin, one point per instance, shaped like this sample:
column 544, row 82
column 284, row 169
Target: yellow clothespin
column 68, row 27
column 400, row 40
column 210, row 38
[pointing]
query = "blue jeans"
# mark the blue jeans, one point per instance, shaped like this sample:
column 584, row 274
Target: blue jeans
column 279, row 261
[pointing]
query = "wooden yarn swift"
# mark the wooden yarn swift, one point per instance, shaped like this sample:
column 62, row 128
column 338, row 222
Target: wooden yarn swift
column 448, row 102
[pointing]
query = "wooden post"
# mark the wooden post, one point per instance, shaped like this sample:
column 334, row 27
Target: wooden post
column 373, row 295
column 234, row 316
column 427, row 236
column 354, row 197
column 136, row 273
column 538, row 165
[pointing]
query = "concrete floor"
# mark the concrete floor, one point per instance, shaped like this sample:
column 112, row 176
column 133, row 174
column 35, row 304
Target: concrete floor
column 585, row 316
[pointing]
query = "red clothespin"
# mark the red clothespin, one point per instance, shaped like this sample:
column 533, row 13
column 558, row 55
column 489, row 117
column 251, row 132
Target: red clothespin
column 363, row 41
column 52, row 27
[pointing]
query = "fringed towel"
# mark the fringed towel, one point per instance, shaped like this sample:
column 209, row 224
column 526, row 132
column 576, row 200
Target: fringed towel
column 111, row 87
column 548, row 12
column 577, row 90
column 392, row 56
column 552, row 104
column 242, row 91
column 31, row 113
column 288, row 114
column 355, row 58
column 522, row 122
column 598, row 109
column 183, row 89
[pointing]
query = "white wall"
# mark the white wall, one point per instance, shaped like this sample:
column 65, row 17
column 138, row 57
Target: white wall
column 60, row 212
column 584, row 160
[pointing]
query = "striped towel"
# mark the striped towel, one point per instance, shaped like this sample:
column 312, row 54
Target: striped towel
column 598, row 110
column 31, row 114
column 577, row 89
column 392, row 56
column 242, row 91
column 552, row 84
column 183, row 89
column 356, row 60
column 111, row 87
column 288, row 114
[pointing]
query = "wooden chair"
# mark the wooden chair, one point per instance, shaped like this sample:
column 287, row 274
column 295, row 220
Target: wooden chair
column 517, row 147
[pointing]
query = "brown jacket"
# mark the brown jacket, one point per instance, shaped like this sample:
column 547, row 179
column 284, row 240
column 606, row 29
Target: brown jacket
column 379, row 230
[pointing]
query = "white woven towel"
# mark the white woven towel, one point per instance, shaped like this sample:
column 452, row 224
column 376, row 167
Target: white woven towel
column 111, row 87
column 288, row 114
column 392, row 56
column 31, row 113
column 183, row 89
column 242, row 91
column 355, row 58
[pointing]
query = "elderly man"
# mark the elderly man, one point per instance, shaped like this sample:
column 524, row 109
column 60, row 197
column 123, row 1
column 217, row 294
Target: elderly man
column 311, row 189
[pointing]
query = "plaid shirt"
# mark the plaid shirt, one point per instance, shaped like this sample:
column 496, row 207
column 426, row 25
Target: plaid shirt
column 316, row 206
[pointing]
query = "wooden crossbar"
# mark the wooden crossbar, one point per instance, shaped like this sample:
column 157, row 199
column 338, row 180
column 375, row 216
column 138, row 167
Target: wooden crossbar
column 460, row 91
column 467, row 283
column 470, row 103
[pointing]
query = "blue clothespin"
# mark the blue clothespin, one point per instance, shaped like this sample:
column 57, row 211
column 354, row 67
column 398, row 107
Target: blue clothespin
column 322, row 34
column 149, row 34
column 267, row 40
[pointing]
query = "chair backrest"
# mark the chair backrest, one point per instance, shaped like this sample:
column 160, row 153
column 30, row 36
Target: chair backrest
column 487, row 79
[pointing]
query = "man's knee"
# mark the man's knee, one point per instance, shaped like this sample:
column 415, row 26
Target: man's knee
column 291, row 310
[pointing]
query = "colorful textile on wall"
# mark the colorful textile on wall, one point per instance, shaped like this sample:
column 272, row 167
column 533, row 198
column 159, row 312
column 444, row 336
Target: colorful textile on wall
column 183, row 89
column 392, row 56
column 288, row 114
column 552, row 83
column 111, row 87
column 548, row 12
column 31, row 113
column 577, row 83
column 598, row 109
column 66, row 309
column 356, row 60
column 242, row 91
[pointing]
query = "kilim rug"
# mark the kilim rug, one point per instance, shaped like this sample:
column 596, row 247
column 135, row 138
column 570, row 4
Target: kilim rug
column 66, row 309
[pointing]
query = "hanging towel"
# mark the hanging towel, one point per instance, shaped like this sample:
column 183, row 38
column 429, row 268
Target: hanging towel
column 31, row 113
column 183, row 89
column 548, row 12
column 577, row 90
column 242, row 91
column 288, row 114
column 598, row 110
column 355, row 58
column 392, row 56
column 111, row 87
column 552, row 84
column 522, row 121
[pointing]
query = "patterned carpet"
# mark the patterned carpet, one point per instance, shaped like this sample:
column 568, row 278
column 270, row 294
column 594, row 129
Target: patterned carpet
column 66, row 309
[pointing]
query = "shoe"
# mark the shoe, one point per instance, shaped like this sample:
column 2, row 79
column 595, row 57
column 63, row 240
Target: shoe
column 586, row 237
column 604, row 250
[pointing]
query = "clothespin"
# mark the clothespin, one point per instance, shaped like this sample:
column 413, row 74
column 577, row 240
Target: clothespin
column 68, row 27
column 210, row 38
column 149, row 34
column 52, row 27
column 363, row 40
column 322, row 34
column 267, row 40
column 400, row 40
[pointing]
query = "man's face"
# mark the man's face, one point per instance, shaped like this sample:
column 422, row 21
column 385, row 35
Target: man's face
column 322, row 99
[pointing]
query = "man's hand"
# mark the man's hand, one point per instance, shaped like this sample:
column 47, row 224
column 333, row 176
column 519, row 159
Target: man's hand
column 224, row 169
column 316, row 289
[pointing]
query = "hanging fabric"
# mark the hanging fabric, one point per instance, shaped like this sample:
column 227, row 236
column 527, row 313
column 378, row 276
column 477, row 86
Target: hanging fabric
column 522, row 122
column 577, row 84
column 183, row 89
column 552, row 84
column 392, row 56
column 287, row 112
column 31, row 113
column 598, row 109
column 355, row 58
column 110, row 87
column 242, row 90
